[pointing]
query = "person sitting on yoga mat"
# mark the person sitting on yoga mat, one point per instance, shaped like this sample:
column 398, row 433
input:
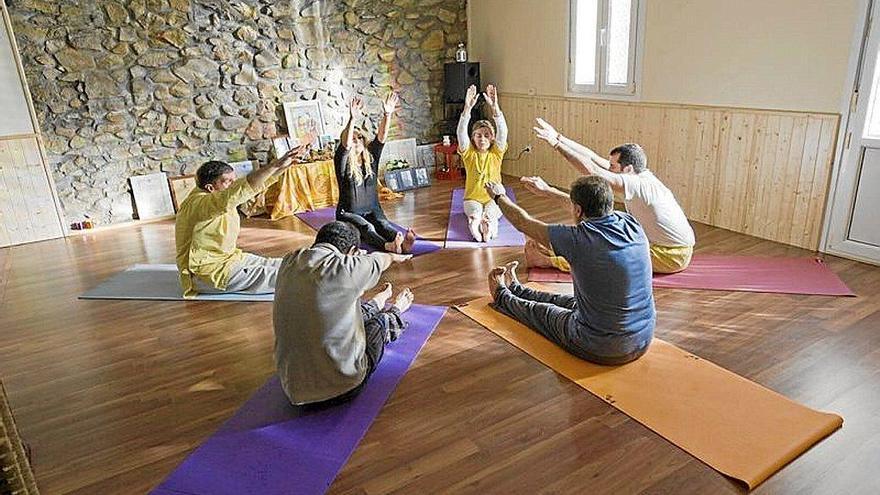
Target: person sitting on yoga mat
column 357, row 168
column 328, row 341
column 481, row 153
column 645, row 197
column 610, row 318
column 207, row 226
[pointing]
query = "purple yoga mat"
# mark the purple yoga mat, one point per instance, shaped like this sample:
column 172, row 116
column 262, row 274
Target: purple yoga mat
column 808, row 276
column 322, row 216
column 459, row 236
column 270, row 447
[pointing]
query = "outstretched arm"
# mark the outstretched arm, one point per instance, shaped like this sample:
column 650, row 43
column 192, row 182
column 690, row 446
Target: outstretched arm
column 518, row 217
column 346, row 139
column 388, row 107
column 257, row 179
column 588, row 163
column 541, row 188
column 491, row 96
column 470, row 99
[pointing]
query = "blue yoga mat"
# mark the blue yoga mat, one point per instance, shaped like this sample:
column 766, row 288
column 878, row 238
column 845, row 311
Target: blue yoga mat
column 272, row 448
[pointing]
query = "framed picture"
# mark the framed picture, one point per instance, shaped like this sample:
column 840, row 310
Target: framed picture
column 152, row 196
column 399, row 149
column 406, row 179
column 180, row 188
column 425, row 155
column 391, row 181
column 305, row 124
column 422, row 178
column 282, row 145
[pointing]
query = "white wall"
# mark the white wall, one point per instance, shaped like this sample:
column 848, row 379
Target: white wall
column 15, row 117
column 779, row 54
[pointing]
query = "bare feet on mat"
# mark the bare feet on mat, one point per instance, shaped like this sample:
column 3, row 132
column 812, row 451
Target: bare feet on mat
column 496, row 279
column 382, row 296
column 395, row 246
column 510, row 272
column 404, row 300
column 534, row 255
column 493, row 229
column 484, row 229
column 474, row 227
column 409, row 240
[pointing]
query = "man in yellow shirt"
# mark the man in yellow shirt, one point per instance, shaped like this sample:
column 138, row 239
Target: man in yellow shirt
column 207, row 228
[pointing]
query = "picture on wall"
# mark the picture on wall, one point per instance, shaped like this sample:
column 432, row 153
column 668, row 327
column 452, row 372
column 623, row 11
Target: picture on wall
column 305, row 123
column 399, row 149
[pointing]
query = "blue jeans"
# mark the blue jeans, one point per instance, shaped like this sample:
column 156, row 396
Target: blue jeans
column 555, row 317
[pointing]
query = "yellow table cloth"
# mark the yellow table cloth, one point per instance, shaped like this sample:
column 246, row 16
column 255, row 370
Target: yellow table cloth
column 303, row 187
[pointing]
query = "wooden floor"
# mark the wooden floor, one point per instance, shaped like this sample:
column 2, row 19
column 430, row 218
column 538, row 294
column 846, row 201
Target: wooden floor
column 112, row 395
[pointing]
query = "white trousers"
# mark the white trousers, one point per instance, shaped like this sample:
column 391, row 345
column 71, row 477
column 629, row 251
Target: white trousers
column 476, row 212
column 253, row 275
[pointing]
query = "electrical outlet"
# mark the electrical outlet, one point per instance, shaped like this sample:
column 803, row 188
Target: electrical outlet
column 528, row 148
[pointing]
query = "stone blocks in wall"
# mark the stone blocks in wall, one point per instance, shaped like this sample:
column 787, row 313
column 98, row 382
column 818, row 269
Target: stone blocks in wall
column 137, row 86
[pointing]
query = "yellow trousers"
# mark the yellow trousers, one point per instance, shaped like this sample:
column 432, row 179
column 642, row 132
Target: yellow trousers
column 664, row 259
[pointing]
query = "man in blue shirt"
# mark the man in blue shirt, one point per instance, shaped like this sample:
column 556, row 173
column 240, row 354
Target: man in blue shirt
column 610, row 318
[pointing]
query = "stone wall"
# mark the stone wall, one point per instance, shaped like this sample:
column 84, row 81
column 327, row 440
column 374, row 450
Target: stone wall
column 131, row 87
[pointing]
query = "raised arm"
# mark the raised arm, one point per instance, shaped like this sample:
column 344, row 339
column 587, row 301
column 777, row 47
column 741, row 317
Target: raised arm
column 518, row 217
column 258, row 178
column 470, row 99
column 346, row 139
column 588, row 163
column 388, row 107
column 491, row 96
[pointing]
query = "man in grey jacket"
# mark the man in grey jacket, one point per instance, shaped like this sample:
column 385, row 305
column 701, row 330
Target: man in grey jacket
column 327, row 340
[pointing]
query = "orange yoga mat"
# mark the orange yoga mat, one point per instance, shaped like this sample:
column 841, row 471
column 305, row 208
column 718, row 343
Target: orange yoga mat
column 743, row 430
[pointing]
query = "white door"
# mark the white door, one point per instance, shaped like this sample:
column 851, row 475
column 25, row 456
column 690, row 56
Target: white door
column 854, row 220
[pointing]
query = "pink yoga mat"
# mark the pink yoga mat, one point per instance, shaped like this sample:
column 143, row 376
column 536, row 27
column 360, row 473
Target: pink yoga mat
column 459, row 236
column 739, row 273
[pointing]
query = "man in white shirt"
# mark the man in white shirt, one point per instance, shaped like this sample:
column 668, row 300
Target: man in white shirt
column 327, row 340
column 670, row 235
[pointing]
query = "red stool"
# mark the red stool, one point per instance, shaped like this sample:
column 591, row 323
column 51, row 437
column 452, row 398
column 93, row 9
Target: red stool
column 450, row 169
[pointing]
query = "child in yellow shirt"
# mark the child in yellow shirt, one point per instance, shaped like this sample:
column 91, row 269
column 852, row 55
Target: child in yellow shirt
column 481, row 153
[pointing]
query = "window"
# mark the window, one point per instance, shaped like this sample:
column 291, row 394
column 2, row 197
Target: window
column 602, row 54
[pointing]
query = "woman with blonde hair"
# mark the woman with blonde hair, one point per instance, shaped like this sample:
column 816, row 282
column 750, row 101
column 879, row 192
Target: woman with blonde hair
column 481, row 153
column 357, row 168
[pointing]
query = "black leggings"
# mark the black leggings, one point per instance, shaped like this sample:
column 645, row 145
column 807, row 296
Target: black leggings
column 375, row 229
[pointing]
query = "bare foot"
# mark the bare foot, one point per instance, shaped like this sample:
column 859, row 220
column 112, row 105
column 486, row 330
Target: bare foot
column 382, row 296
column 493, row 229
column 510, row 271
column 395, row 246
column 534, row 256
column 474, row 227
column 484, row 229
column 409, row 241
column 403, row 300
column 496, row 280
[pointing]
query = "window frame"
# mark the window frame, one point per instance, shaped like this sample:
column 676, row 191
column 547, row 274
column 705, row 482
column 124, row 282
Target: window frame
column 601, row 89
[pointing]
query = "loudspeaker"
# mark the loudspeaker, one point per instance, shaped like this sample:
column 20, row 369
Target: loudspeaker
column 457, row 77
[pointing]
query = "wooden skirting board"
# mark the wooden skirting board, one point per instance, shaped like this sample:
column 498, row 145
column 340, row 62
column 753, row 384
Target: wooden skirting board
column 760, row 172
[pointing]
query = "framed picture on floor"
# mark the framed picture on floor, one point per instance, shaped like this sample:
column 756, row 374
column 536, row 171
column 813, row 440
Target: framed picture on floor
column 180, row 188
column 152, row 196
column 305, row 123
column 406, row 179
column 425, row 156
column 422, row 177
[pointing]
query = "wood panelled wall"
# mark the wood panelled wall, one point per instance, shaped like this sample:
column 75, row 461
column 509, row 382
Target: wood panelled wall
column 27, row 205
column 762, row 173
